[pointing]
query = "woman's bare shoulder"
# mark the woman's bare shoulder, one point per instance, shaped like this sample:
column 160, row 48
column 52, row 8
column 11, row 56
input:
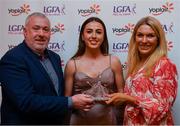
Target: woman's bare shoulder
column 115, row 59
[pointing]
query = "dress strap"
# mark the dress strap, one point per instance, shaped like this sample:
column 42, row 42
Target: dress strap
column 75, row 64
column 110, row 60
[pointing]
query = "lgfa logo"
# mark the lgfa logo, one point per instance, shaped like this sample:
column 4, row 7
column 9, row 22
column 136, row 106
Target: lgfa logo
column 120, row 47
column 54, row 10
column 15, row 29
column 121, row 31
column 25, row 8
column 168, row 7
column 57, row 28
column 56, row 46
column 86, row 12
column 11, row 46
column 168, row 28
column 124, row 10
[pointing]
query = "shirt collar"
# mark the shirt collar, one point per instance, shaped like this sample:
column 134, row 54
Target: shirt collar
column 39, row 56
column 43, row 57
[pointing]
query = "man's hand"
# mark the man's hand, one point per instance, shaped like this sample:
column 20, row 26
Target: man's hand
column 82, row 102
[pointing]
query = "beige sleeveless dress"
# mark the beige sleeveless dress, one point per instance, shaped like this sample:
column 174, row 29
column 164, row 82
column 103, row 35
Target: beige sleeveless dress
column 99, row 114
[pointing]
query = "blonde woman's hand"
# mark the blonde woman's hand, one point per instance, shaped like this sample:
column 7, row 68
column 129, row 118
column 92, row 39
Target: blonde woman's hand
column 116, row 98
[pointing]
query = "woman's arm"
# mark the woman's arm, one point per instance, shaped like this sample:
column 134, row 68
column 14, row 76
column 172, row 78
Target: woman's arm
column 69, row 74
column 117, row 69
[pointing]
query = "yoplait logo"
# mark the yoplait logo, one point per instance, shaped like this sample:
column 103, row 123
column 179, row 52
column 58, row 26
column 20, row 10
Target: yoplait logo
column 25, row 8
column 93, row 9
column 121, row 31
column 169, row 45
column 124, row 66
column 168, row 7
column 57, row 28
column 62, row 63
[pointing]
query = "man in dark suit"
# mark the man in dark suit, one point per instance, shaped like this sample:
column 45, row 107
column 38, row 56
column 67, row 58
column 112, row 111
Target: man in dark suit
column 32, row 80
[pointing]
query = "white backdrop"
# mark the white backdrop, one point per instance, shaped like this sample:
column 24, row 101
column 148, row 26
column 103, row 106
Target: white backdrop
column 67, row 16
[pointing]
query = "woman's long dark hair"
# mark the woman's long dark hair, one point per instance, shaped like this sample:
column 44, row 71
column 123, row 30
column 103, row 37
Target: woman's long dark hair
column 81, row 47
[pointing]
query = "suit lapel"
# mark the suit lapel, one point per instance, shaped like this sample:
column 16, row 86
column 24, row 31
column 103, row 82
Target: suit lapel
column 40, row 67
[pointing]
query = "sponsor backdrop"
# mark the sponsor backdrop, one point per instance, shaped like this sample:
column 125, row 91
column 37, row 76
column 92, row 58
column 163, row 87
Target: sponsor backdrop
column 66, row 17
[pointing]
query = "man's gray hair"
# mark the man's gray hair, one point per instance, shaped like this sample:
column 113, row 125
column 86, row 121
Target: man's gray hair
column 36, row 14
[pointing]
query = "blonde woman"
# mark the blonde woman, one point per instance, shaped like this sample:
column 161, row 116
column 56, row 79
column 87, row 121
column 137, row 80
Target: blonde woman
column 151, row 83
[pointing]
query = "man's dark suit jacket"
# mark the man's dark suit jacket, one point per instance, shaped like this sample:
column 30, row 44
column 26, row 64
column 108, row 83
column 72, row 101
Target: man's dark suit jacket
column 28, row 94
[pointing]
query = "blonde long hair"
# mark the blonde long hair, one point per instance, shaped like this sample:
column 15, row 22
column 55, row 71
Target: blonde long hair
column 160, row 51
